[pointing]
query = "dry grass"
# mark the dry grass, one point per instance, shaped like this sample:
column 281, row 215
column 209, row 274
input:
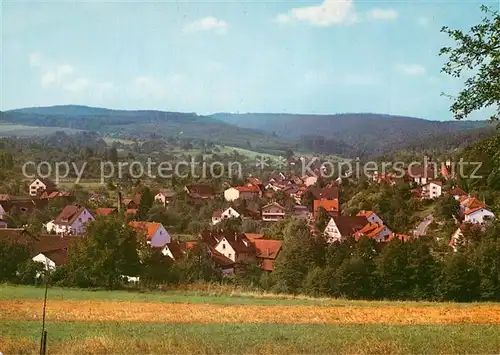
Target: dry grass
column 95, row 310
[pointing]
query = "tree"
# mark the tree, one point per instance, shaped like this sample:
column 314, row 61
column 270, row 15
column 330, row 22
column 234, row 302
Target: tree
column 459, row 279
column 447, row 207
column 198, row 266
column 295, row 260
column 108, row 251
column 322, row 220
column 478, row 50
column 145, row 204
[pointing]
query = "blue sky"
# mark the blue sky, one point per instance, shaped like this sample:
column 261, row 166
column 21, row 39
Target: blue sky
column 232, row 56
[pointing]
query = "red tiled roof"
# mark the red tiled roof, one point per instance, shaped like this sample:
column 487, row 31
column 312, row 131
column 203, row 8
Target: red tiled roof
column 365, row 213
column 217, row 214
column 326, row 193
column 149, row 228
column 253, row 236
column 471, row 211
column 328, row 205
column 457, row 191
column 248, row 188
column 267, row 264
column 266, row 248
column 68, row 215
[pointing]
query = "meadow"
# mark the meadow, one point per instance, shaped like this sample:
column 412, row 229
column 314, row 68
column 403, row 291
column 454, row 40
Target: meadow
column 7, row 129
column 215, row 320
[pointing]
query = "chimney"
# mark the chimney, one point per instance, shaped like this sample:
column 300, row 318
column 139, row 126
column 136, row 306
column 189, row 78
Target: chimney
column 119, row 201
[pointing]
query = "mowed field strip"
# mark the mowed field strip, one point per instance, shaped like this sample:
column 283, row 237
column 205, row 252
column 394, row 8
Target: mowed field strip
column 156, row 312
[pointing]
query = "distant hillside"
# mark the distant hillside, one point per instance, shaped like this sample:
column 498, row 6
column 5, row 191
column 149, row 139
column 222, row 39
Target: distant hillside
column 142, row 124
column 363, row 134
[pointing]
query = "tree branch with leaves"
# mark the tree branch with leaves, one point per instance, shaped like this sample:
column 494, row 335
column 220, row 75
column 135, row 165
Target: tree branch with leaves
column 477, row 51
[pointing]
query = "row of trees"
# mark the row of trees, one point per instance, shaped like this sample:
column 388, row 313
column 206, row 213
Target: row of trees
column 363, row 269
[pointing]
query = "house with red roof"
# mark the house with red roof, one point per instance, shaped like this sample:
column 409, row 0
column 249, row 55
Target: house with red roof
column 376, row 231
column 245, row 192
column 457, row 193
column 71, row 220
column 267, row 251
column 156, row 235
column 330, row 206
column 370, row 216
column 478, row 215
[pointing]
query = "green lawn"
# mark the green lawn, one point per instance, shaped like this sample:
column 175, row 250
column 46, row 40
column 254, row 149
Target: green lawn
column 137, row 338
column 209, row 295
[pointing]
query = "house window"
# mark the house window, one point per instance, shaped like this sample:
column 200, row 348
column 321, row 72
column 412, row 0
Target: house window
column 223, row 246
column 24, row 209
column 80, row 220
column 229, row 255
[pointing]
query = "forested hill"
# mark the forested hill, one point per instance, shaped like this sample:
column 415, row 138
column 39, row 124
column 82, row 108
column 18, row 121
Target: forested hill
column 143, row 124
column 361, row 133
column 347, row 135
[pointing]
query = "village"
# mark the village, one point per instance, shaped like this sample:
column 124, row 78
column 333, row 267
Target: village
column 228, row 248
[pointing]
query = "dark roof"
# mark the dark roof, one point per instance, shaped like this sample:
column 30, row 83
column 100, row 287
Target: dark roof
column 325, row 193
column 17, row 236
column 167, row 192
column 200, row 190
column 211, row 238
column 420, row 171
column 276, row 204
column 52, row 242
column 220, row 259
column 240, row 243
column 105, row 211
column 177, row 249
column 68, row 215
column 49, row 184
column 348, row 225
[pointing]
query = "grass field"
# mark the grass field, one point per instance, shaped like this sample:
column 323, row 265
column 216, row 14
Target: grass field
column 7, row 129
column 201, row 322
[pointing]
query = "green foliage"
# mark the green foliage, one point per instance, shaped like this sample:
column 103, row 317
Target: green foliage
column 459, row 279
column 146, row 203
column 478, row 50
column 13, row 258
column 108, row 252
column 198, row 266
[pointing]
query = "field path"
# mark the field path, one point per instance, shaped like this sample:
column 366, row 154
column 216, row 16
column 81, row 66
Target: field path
column 74, row 310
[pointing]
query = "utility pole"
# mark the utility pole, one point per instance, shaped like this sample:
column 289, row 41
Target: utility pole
column 43, row 340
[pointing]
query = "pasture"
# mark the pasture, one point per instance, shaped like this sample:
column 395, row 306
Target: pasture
column 220, row 321
column 8, row 129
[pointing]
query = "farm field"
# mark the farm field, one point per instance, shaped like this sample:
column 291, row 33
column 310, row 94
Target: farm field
column 7, row 129
column 88, row 322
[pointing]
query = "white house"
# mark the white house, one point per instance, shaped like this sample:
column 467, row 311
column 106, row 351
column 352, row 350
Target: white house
column 48, row 264
column 71, row 220
column 242, row 192
column 341, row 227
column 236, row 248
column 230, row 212
column 371, row 217
column 156, row 234
column 2, row 211
column 164, row 196
column 40, row 185
column 3, row 224
column 479, row 215
column 432, row 190
column 273, row 212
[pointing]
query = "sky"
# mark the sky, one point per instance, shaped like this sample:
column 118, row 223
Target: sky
column 319, row 57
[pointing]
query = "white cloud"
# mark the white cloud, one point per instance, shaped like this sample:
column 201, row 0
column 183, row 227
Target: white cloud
column 330, row 12
column 383, row 14
column 209, row 23
column 63, row 76
column 411, row 69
